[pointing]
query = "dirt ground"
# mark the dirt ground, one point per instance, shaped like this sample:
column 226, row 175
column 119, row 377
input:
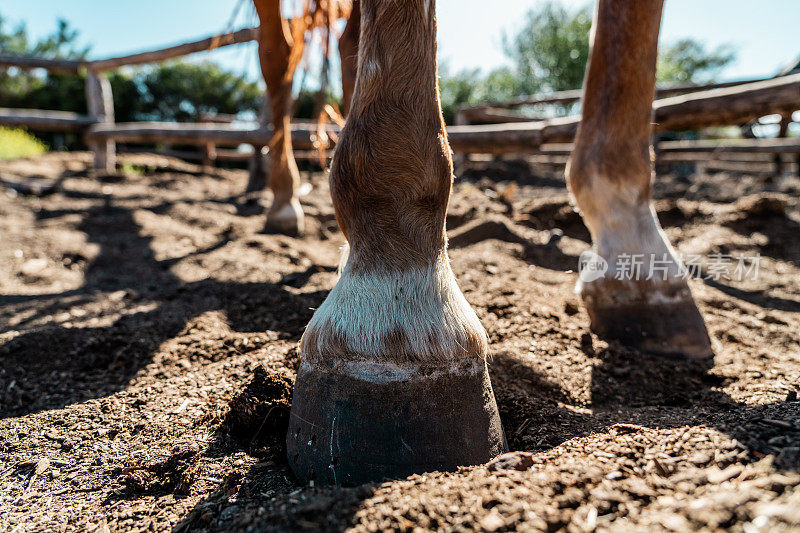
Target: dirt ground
column 149, row 337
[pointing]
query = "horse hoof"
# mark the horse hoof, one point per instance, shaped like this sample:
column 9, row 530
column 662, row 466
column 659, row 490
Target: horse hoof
column 379, row 422
column 287, row 219
column 662, row 319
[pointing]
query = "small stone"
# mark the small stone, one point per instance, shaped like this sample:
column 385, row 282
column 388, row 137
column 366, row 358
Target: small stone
column 32, row 267
column 675, row 522
column 492, row 521
column 41, row 466
column 700, row 458
column 555, row 237
column 511, row 461
column 720, row 476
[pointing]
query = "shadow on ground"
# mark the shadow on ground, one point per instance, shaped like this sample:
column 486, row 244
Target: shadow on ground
column 55, row 365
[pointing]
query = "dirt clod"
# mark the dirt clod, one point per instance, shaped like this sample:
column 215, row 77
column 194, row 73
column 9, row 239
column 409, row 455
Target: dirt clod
column 511, row 461
column 261, row 411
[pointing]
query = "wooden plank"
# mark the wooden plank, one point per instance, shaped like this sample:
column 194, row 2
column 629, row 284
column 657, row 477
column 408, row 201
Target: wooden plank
column 65, row 66
column 729, row 106
column 772, row 146
column 71, row 66
column 574, row 95
column 39, row 120
column 718, row 107
column 739, row 157
column 710, row 147
column 200, row 134
column 222, row 155
column 505, row 138
column 461, row 137
column 153, row 56
column 727, row 153
column 491, row 115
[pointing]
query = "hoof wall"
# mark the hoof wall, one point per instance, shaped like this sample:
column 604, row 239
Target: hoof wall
column 346, row 430
column 673, row 329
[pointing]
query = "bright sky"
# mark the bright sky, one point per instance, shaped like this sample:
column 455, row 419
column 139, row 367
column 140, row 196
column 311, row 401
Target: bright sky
column 763, row 33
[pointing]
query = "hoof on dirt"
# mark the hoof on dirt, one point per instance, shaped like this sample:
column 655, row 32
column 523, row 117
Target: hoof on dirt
column 348, row 430
column 287, row 219
column 658, row 318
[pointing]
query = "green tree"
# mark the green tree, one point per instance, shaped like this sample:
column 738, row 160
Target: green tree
column 470, row 87
column 688, row 61
column 551, row 49
column 182, row 90
column 457, row 90
column 549, row 53
column 19, row 87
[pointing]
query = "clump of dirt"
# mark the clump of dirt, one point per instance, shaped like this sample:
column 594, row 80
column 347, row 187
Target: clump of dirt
column 174, row 475
column 555, row 214
column 259, row 415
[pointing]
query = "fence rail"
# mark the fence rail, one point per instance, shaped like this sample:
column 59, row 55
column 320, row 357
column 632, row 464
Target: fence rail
column 572, row 96
column 73, row 66
column 46, row 120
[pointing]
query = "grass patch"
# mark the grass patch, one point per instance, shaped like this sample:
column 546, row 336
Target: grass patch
column 130, row 168
column 15, row 143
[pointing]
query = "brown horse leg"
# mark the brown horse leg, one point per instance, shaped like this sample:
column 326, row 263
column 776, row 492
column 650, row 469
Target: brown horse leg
column 610, row 175
column 393, row 377
column 348, row 55
column 274, row 49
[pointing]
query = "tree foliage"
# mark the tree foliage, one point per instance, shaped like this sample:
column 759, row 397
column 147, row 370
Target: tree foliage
column 176, row 90
column 688, row 61
column 549, row 52
column 551, row 49
column 181, row 91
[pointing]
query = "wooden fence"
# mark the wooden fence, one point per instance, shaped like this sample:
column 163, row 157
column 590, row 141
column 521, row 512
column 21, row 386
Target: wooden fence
column 677, row 108
column 99, row 99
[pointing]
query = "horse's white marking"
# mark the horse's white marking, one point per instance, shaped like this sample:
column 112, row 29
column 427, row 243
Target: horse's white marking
column 620, row 223
column 289, row 211
column 388, row 372
column 423, row 305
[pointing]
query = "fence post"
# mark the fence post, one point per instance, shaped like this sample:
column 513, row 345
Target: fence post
column 460, row 161
column 783, row 130
column 100, row 103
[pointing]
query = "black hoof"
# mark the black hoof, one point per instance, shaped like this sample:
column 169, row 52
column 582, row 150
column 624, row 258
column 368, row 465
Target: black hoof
column 659, row 319
column 345, row 430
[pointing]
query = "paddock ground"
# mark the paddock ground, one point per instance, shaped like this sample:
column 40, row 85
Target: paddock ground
column 149, row 338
